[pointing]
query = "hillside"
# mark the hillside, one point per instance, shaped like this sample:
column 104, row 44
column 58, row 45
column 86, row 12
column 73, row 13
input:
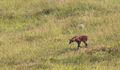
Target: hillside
column 34, row 34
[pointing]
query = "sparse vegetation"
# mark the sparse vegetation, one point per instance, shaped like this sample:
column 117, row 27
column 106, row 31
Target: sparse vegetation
column 34, row 34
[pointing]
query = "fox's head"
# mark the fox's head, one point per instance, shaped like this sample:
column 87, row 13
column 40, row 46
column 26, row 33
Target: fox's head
column 71, row 40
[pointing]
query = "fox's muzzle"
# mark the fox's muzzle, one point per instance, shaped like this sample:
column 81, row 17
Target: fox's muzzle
column 70, row 42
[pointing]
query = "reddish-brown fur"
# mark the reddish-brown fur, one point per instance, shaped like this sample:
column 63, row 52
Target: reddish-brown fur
column 79, row 39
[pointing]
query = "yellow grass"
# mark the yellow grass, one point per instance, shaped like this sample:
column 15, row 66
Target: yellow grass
column 34, row 34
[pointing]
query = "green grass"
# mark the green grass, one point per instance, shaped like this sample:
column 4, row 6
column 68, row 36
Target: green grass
column 34, row 34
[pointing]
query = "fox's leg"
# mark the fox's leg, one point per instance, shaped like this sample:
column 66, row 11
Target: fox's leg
column 78, row 45
column 85, row 43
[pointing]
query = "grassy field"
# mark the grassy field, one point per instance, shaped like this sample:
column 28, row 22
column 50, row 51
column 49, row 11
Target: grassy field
column 34, row 34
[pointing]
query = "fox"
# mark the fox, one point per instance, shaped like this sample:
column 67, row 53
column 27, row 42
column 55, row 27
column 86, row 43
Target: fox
column 79, row 39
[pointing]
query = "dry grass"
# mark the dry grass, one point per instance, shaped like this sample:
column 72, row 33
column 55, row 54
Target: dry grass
column 34, row 34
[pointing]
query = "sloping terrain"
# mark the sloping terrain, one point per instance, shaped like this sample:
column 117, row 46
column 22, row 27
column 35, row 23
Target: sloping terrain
column 34, row 34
